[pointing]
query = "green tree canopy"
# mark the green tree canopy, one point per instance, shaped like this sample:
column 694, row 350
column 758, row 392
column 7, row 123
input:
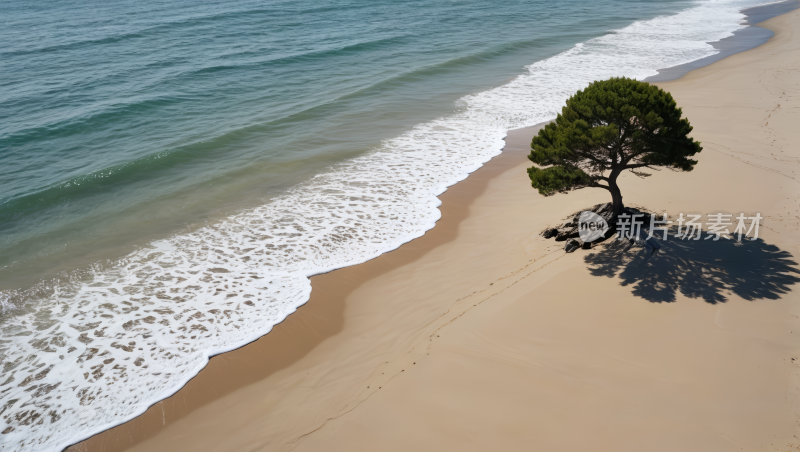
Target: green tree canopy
column 611, row 126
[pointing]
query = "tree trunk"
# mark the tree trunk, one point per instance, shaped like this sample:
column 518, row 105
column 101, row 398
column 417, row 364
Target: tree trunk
column 616, row 196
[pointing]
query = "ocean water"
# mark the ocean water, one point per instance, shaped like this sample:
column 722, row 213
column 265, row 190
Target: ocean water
column 171, row 173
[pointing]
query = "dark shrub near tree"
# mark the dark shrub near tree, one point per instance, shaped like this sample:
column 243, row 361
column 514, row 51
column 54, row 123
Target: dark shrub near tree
column 611, row 126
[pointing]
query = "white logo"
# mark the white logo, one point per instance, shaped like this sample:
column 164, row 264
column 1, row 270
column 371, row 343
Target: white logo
column 591, row 226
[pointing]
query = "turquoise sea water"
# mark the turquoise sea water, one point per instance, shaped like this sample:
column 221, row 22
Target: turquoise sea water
column 124, row 121
column 171, row 172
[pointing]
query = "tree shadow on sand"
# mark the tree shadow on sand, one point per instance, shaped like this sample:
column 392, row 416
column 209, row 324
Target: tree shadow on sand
column 704, row 269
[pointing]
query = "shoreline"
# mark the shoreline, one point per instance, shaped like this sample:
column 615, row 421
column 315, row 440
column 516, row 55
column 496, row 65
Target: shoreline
column 742, row 40
column 312, row 322
column 311, row 325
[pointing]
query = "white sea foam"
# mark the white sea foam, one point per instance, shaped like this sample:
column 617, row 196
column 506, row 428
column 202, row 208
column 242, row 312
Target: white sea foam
column 95, row 352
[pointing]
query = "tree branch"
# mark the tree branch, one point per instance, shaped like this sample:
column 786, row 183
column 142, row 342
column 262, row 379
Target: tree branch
column 588, row 155
column 638, row 165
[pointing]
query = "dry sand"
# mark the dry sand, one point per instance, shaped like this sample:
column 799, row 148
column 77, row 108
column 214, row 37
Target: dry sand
column 481, row 335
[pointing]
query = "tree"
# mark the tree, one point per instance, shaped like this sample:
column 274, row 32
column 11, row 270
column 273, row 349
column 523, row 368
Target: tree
column 611, row 126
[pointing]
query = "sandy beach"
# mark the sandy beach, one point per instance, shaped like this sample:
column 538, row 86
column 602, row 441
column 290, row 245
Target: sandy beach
column 482, row 335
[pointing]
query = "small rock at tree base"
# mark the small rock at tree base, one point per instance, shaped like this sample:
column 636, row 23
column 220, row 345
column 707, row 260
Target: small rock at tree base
column 550, row 233
column 572, row 245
